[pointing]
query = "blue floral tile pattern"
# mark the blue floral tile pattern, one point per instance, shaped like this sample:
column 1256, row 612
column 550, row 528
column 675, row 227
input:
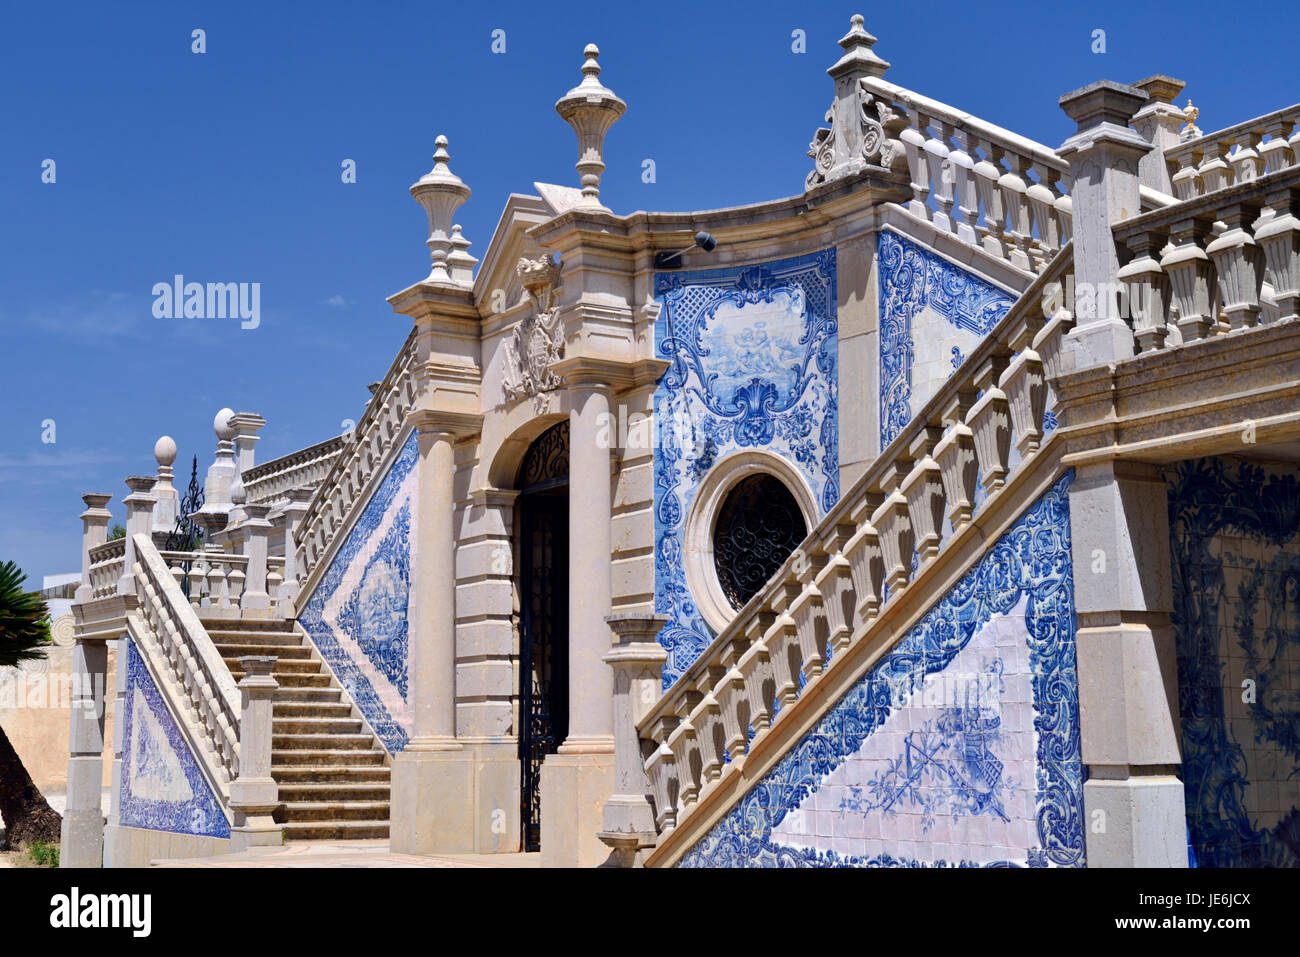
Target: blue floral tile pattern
column 753, row 357
column 163, row 788
column 959, row 748
column 1235, row 542
column 918, row 287
column 358, row 614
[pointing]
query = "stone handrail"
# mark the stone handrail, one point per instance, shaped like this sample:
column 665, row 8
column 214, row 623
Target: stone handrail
column 198, row 678
column 1008, row 191
column 107, row 566
column 1204, row 261
column 918, row 495
column 269, row 481
column 1238, row 154
column 357, row 460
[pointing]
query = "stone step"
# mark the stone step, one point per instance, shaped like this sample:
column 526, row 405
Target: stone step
column 335, row 830
column 232, row 650
column 373, row 811
column 225, row 631
column 316, row 724
column 321, row 742
column 293, row 680
column 283, row 666
column 333, row 791
column 328, row 757
column 307, row 696
column 295, row 710
column 290, row 776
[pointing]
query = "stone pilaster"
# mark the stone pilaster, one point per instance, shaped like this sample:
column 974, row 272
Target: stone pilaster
column 433, row 778
column 286, row 519
column 1128, row 683
column 94, row 531
column 82, row 835
column 1104, row 156
column 255, row 602
column 139, row 521
column 254, row 795
column 637, row 660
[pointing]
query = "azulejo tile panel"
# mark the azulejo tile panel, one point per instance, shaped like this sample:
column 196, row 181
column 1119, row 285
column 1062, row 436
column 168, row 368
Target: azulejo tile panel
column 1235, row 537
column 163, row 788
column 932, row 314
column 960, row 747
column 358, row 616
column 753, row 355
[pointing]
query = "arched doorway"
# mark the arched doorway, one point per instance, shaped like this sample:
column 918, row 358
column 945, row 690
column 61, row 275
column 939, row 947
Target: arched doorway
column 543, row 523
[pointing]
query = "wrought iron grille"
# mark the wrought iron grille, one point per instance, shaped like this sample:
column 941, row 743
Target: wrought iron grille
column 757, row 528
column 187, row 536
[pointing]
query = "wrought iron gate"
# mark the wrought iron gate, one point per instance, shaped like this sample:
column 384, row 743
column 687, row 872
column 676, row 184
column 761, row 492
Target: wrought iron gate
column 544, row 617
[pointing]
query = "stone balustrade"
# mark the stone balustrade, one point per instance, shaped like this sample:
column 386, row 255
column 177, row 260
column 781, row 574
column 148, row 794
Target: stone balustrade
column 988, row 186
column 896, row 521
column 215, row 582
column 357, row 461
column 199, row 678
column 1236, row 155
column 271, row 481
column 107, row 566
column 1221, row 261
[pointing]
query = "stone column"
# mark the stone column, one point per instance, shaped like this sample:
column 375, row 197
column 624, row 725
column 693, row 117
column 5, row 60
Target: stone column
column 433, row 777
column 139, row 521
column 1104, row 156
column 254, row 795
column 1158, row 122
column 94, row 531
column 246, row 425
column 637, row 661
column 255, row 602
column 287, row 517
column 1128, row 679
column 82, row 836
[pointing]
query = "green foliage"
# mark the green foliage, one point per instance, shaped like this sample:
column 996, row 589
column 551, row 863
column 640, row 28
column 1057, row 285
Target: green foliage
column 117, row 531
column 24, row 619
column 43, row 854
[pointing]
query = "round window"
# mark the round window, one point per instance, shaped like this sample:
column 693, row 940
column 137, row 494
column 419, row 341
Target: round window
column 758, row 526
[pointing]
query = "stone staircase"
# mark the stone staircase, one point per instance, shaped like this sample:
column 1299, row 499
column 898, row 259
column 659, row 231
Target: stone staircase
column 333, row 773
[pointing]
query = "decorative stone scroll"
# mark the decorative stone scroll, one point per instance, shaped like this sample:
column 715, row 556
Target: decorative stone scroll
column 876, row 140
column 538, row 340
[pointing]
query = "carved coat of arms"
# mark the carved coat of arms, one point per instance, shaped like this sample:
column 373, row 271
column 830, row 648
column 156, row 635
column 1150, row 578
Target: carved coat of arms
column 538, row 340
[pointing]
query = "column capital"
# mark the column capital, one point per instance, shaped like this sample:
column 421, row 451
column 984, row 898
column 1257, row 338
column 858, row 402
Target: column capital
column 494, row 497
column 616, row 375
column 95, row 512
column 1103, row 112
column 458, row 425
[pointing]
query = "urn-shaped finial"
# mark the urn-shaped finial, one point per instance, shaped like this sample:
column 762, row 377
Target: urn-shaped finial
column 591, row 108
column 441, row 192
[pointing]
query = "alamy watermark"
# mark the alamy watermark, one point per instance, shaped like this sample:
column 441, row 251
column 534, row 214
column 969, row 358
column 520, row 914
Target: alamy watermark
column 179, row 299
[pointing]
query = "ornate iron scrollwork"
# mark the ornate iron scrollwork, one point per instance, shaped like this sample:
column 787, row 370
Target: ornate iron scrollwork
column 187, row 536
column 757, row 528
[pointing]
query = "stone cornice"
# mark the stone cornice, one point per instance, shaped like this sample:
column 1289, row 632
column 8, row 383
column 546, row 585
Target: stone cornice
column 616, row 374
column 460, row 425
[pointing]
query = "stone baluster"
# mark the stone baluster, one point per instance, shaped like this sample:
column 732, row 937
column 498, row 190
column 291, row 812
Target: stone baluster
column 1245, row 161
column 1192, row 278
column 1239, row 263
column 835, row 583
column 732, row 702
column 274, row 580
column 139, row 519
column 1065, row 218
column 1279, row 236
column 913, row 140
column 683, row 743
column 236, row 584
column 1148, row 290
column 661, row 769
column 254, row 794
column 94, row 532
column 707, row 718
column 958, row 466
column 1016, row 209
column 988, row 172
column 866, row 563
column 962, row 167
column 990, row 421
column 923, row 489
column 807, row 609
column 197, row 575
column 942, row 175
column 1216, row 174
column 1277, row 154
column 1186, row 179
column 782, row 638
column 1025, row 385
column 894, row 524
column 755, row 665
column 218, row 596
column 1042, row 197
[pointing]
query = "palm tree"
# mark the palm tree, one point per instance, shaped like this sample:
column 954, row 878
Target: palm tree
column 24, row 635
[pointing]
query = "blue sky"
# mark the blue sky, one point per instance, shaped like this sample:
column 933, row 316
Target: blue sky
column 225, row 166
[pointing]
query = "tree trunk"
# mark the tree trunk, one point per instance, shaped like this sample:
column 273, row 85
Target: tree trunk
column 27, row 815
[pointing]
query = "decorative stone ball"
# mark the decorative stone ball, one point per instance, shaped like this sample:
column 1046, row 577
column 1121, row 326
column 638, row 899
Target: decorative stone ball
column 221, row 425
column 237, row 494
column 164, row 450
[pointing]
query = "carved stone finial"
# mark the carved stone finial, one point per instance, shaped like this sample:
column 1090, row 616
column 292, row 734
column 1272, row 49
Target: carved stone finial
column 858, row 58
column 459, row 262
column 441, row 192
column 590, row 108
column 1190, row 131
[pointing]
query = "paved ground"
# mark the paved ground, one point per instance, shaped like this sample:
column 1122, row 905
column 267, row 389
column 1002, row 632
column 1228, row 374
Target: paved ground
column 350, row 854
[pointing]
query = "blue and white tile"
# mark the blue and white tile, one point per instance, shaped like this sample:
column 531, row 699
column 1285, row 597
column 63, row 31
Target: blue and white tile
column 162, row 787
